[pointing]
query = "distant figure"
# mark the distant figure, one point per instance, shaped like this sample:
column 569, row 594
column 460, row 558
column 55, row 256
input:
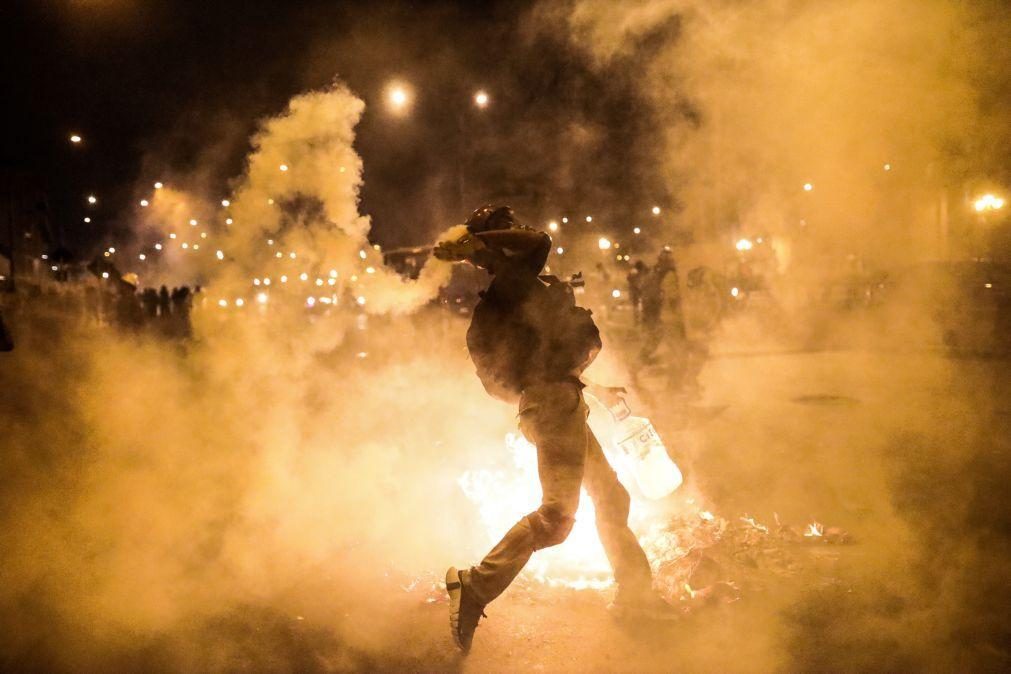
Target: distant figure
column 149, row 298
column 181, row 299
column 6, row 340
column 636, row 277
column 164, row 306
column 129, row 313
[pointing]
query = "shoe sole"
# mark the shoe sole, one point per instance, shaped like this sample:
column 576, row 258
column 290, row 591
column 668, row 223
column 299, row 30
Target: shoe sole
column 455, row 593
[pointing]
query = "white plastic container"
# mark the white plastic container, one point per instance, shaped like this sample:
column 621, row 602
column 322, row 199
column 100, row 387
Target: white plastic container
column 655, row 473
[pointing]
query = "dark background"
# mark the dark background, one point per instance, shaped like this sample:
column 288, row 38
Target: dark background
column 166, row 89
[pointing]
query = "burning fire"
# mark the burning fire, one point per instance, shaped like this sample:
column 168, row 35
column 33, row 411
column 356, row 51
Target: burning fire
column 815, row 529
column 503, row 497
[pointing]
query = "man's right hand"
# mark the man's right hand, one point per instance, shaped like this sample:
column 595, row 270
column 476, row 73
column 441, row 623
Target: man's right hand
column 459, row 250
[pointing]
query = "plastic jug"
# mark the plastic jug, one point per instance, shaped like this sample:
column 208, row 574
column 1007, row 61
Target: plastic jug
column 655, row 473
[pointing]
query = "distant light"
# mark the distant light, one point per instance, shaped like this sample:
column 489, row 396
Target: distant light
column 92, row 199
column 888, row 167
column 261, row 298
column 228, row 221
column 481, row 99
column 158, row 186
column 988, row 202
column 256, row 281
column 604, row 243
column 303, row 276
column 626, row 258
column 565, row 221
column 735, row 292
column 808, row 187
column 196, row 246
column 266, row 281
column 361, row 301
column 988, row 285
column 361, row 254
column 112, row 249
column 45, row 257
column 172, row 235
column 270, row 202
column 144, row 203
column 656, row 210
column 54, row 268
column 222, row 303
column 589, row 218
column 105, row 274
column 193, row 223
column 615, row 293
column 310, row 301
column 560, row 250
column 759, row 240
column 87, row 219
column 142, row 257
column 398, row 98
column 319, row 281
column 370, row 270
column 157, row 246
column 74, row 138
column 636, row 230
column 284, row 278
column 292, row 255
column 239, row 301
column 226, row 203
column 283, row 167
column 331, row 281
column 744, row 244
column 185, row 245
column 203, row 235
column 333, row 273
column 220, row 255
column 278, row 254
column 553, row 226
column 270, row 242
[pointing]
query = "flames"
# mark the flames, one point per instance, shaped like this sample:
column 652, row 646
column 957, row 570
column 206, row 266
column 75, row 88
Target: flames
column 504, row 496
column 683, row 541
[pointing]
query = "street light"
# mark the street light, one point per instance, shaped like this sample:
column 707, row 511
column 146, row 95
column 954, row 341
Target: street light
column 988, row 202
column 808, row 187
column 75, row 139
column 553, row 226
column 92, row 200
column 398, row 97
column 481, row 99
column 604, row 243
column 656, row 210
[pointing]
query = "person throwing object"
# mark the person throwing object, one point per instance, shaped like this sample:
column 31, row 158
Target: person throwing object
column 530, row 344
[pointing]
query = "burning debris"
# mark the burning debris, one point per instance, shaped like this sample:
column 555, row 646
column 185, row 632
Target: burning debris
column 698, row 557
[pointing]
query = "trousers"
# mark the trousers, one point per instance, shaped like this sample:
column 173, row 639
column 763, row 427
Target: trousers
column 553, row 418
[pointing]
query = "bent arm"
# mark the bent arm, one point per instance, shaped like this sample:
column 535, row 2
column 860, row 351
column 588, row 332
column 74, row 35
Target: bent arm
column 527, row 247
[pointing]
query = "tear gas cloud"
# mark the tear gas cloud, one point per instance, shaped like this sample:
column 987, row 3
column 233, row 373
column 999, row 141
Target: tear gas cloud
column 163, row 503
column 877, row 107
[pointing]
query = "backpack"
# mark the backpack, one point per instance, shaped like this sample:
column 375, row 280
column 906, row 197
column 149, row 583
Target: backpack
column 548, row 337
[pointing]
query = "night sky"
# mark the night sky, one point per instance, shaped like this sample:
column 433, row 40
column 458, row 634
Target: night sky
column 172, row 91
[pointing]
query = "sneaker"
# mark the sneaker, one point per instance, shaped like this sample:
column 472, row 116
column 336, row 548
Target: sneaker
column 651, row 608
column 464, row 611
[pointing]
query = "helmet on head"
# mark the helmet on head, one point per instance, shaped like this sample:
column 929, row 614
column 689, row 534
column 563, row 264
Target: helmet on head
column 490, row 217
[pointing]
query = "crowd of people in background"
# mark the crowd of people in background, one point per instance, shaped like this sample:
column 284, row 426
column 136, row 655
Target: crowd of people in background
column 654, row 293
